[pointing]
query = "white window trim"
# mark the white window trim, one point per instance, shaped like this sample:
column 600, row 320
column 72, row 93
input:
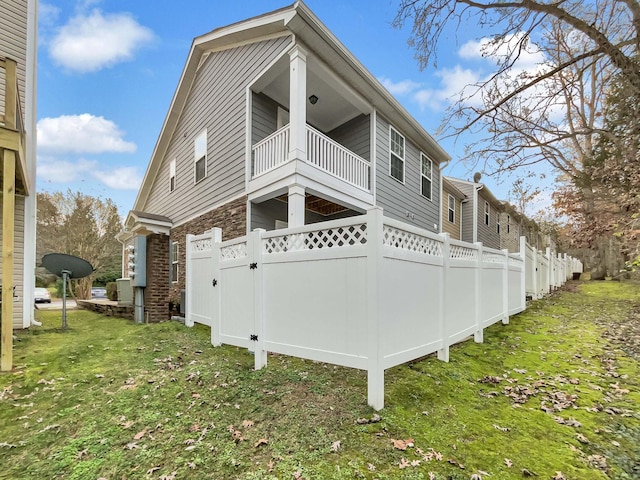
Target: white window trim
column 197, row 157
column 172, row 175
column 423, row 157
column 404, row 155
column 175, row 260
column 487, row 213
column 449, row 209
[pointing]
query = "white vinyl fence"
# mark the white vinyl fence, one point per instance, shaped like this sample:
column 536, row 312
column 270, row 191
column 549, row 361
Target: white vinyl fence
column 364, row 292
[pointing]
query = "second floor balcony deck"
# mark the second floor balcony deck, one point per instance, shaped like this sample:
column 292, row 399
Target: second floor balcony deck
column 322, row 153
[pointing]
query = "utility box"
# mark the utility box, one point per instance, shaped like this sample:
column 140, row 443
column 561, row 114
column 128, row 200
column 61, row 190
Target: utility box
column 137, row 261
column 125, row 291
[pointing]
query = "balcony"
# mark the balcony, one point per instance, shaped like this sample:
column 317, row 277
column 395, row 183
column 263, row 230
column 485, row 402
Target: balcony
column 323, row 153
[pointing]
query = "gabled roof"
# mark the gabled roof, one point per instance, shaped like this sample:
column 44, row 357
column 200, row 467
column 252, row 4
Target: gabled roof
column 450, row 187
column 299, row 21
column 481, row 187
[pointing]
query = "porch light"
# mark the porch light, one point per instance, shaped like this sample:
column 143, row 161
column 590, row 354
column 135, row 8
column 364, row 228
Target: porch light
column 313, row 99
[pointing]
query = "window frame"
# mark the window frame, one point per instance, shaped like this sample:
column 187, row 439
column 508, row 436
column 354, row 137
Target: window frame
column 452, row 211
column 508, row 223
column 487, row 213
column 175, row 250
column 199, row 155
column 172, row 176
column 393, row 154
column 424, row 157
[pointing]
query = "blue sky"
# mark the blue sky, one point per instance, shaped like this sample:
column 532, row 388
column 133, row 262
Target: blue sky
column 107, row 71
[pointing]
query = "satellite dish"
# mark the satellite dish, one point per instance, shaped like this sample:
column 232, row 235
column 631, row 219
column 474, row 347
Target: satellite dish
column 61, row 263
column 66, row 266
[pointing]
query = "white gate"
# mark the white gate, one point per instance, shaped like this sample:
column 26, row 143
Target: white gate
column 199, row 268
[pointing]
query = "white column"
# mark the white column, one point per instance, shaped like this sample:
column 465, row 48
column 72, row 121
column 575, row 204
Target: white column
column 297, row 103
column 296, row 206
column 375, row 367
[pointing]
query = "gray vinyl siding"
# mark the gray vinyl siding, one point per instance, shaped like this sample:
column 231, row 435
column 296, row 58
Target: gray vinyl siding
column 509, row 239
column 18, row 260
column 265, row 214
column 13, row 45
column 487, row 234
column 217, row 102
column 397, row 199
column 264, row 117
column 13, row 41
column 354, row 135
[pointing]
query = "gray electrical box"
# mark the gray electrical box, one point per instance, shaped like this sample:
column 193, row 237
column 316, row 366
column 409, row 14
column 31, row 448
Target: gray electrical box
column 137, row 261
column 125, row 291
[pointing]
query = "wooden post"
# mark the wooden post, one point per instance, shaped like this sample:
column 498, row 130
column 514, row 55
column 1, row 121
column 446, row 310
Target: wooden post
column 8, row 224
column 11, row 94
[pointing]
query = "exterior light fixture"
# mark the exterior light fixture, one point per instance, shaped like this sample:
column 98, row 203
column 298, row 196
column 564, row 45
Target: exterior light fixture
column 313, row 99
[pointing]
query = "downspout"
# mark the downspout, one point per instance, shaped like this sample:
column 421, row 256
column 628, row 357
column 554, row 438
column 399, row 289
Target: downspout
column 441, row 214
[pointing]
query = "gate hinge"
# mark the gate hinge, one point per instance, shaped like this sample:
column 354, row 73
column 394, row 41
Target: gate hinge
column 214, row 282
column 253, row 266
column 253, row 338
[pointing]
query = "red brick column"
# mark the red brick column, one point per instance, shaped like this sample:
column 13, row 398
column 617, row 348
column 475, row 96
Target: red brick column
column 156, row 294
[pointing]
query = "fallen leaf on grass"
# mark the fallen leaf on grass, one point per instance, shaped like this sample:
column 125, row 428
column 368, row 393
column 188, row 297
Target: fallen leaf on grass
column 371, row 467
column 559, row 476
column 247, row 423
column 171, row 476
column 402, row 444
column 502, row 429
column 335, row 446
column 508, row 462
column 262, row 441
column 140, row 434
column 152, row 469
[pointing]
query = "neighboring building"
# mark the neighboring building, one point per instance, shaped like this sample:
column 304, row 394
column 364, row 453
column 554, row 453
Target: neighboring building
column 452, row 201
column 480, row 213
column 275, row 123
column 511, row 227
column 18, row 47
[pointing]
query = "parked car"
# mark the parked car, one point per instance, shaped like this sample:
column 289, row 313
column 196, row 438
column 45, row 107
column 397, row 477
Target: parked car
column 98, row 292
column 42, row 295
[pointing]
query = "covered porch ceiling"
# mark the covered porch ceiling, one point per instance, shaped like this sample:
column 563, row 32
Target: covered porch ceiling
column 337, row 102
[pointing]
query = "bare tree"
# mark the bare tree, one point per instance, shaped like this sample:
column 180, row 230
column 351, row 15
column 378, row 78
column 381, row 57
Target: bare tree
column 612, row 27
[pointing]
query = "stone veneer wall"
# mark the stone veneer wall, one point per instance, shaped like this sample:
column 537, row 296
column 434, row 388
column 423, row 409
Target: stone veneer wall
column 230, row 217
column 156, row 294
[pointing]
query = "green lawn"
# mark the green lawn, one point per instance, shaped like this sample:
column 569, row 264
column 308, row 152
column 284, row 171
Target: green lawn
column 554, row 394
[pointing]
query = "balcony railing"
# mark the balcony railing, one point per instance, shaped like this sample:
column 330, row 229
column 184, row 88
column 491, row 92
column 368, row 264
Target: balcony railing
column 323, row 152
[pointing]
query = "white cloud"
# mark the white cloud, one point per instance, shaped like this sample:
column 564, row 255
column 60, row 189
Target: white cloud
column 83, row 133
column 454, row 82
column 402, row 87
column 53, row 170
column 91, row 42
column 529, row 59
column 122, row 178
column 47, row 14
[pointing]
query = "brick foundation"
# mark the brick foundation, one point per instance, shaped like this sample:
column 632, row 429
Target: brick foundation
column 156, row 294
column 231, row 218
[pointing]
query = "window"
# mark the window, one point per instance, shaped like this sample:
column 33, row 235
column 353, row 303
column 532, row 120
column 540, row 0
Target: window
column 172, row 176
column 498, row 227
column 200, row 156
column 486, row 213
column 174, row 262
column 425, row 177
column 452, row 209
column 396, row 155
column 508, row 223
